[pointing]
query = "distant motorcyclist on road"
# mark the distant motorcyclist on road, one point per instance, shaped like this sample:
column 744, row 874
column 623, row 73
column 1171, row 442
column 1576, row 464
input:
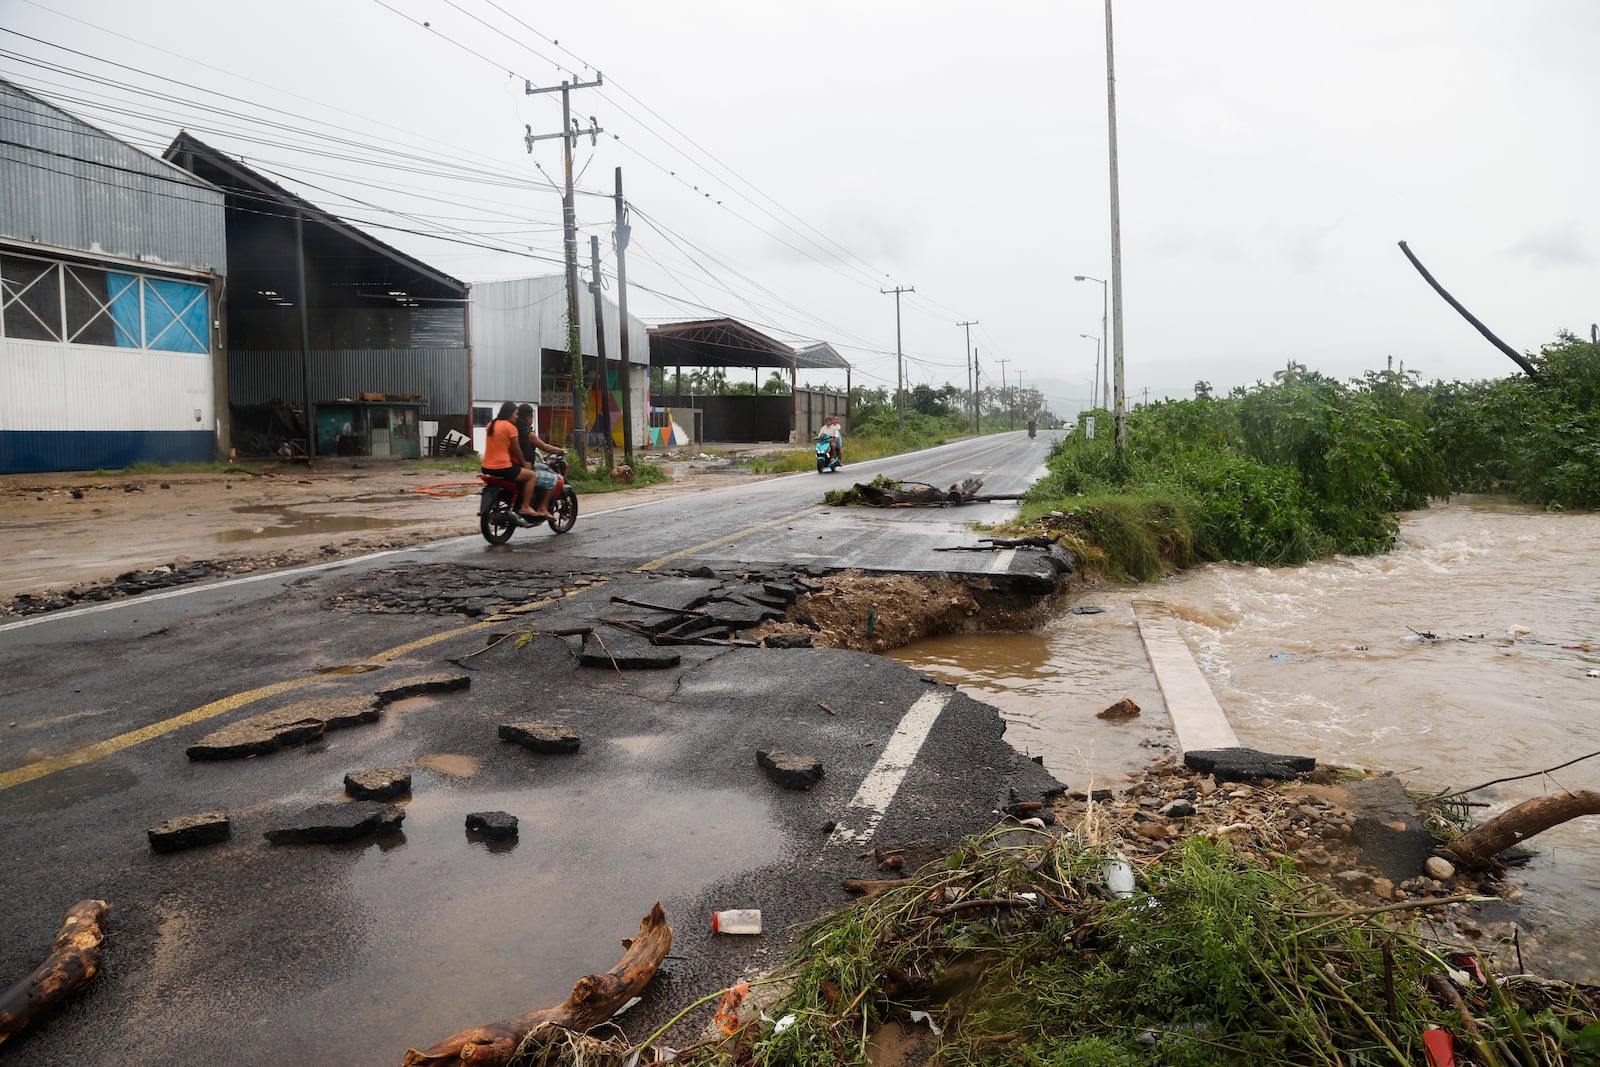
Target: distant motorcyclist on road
column 1033, row 426
column 835, row 432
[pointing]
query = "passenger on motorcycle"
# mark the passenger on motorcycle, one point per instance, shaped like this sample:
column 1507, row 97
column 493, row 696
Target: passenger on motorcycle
column 502, row 458
column 544, row 479
column 831, row 428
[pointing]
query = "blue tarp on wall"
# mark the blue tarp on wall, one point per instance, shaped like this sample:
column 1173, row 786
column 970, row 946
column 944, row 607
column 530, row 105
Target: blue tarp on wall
column 35, row 451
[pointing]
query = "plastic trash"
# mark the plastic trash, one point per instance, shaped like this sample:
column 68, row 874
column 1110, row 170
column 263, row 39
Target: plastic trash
column 1277, row 655
column 736, row 921
column 1440, row 1047
column 1119, row 875
column 727, row 1017
column 783, row 1024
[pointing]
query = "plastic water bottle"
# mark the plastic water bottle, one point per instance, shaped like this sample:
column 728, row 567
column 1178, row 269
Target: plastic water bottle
column 1119, row 875
column 736, row 921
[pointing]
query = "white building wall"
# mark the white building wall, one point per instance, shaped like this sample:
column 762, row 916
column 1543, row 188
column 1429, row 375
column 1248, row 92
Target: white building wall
column 48, row 386
column 514, row 320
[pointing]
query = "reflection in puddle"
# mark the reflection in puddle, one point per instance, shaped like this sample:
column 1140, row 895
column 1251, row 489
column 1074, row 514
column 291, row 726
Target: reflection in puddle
column 454, row 932
column 457, row 766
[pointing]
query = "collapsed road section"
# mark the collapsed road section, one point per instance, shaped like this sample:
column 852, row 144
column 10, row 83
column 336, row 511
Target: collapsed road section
column 477, row 868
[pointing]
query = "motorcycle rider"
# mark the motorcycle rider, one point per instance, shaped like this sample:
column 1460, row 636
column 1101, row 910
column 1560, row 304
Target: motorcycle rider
column 1033, row 425
column 835, row 433
column 544, row 479
column 503, row 458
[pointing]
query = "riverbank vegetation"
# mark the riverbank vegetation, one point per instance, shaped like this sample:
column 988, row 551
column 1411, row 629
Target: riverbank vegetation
column 1015, row 949
column 1305, row 466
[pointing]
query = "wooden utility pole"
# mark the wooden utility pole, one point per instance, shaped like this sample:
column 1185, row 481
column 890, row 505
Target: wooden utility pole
column 623, row 231
column 569, row 224
column 1011, row 423
column 899, row 357
column 972, row 382
column 602, row 372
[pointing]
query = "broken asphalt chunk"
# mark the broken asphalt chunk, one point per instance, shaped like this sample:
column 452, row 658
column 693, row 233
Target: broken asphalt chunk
column 789, row 770
column 258, row 735
column 427, row 683
column 331, row 823
column 1122, row 709
column 1242, row 764
column 190, row 831
column 495, row 825
column 737, row 616
column 551, row 738
column 788, row 641
column 378, row 784
column 625, row 654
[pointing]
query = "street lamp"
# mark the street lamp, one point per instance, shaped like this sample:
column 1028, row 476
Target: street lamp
column 1105, row 379
column 1094, row 393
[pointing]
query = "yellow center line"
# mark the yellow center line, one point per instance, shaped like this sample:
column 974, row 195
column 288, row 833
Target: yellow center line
column 90, row 753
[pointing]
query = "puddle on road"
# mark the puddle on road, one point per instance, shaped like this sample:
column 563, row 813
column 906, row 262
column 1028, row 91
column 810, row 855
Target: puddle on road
column 286, row 522
column 456, row 766
column 455, row 933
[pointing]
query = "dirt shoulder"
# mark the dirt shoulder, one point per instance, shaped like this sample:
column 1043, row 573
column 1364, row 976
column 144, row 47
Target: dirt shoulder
column 69, row 537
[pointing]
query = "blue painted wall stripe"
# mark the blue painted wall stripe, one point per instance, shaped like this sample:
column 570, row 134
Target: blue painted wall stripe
column 36, row 451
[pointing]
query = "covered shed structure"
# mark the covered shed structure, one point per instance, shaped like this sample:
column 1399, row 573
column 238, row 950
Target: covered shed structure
column 727, row 343
column 319, row 311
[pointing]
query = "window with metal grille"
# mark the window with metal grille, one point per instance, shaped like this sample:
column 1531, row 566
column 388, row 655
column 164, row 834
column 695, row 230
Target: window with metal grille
column 30, row 299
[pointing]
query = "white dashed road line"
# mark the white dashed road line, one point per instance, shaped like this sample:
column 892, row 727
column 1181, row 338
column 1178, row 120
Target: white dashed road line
column 878, row 789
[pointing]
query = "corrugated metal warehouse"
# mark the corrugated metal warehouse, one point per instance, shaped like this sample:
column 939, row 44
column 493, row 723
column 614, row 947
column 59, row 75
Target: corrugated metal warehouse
column 111, row 263
column 519, row 352
column 320, row 312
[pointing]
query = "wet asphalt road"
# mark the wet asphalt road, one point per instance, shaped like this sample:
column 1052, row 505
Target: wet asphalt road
column 349, row 954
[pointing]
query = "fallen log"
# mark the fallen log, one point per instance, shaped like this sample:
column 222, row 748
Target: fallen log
column 594, row 999
column 1480, row 845
column 74, row 959
column 991, row 544
column 927, row 496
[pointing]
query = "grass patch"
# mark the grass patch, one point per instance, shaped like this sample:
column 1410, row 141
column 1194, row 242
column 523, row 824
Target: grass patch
column 1017, row 951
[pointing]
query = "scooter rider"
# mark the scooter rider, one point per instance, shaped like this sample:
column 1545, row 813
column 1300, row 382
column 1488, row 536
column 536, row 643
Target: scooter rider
column 544, row 479
column 835, row 433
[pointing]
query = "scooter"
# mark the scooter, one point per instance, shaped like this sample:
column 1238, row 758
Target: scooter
column 497, row 513
column 1032, row 428
column 827, row 461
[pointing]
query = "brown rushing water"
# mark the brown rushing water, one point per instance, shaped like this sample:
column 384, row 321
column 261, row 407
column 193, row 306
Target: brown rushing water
column 1330, row 660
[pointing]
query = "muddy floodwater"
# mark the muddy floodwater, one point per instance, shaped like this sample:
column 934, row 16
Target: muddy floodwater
column 1469, row 653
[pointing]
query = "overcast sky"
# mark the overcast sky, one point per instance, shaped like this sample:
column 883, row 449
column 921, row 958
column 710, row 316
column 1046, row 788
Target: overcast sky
column 786, row 162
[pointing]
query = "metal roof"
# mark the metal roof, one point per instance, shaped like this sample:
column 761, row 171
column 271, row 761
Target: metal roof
column 730, row 343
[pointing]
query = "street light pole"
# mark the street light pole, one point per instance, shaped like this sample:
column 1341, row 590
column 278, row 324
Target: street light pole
column 1116, row 238
column 1103, row 378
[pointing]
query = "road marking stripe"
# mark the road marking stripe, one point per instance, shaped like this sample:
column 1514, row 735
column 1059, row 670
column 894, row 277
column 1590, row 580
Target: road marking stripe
column 90, row 753
column 1002, row 561
column 881, row 784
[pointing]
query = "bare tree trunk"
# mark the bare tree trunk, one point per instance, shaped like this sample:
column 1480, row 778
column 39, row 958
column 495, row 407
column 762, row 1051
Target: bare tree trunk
column 1478, row 846
column 594, row 999
column 73, row 960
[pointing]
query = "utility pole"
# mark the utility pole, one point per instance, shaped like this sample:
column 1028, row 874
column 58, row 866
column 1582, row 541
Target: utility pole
column 977, row 388
column 569, row 224
column 603, row 373
column 1019, row 390
column 1119, row 415
column 972, row 381
column 899, row 357
column 623, row 231
column 1005, row 395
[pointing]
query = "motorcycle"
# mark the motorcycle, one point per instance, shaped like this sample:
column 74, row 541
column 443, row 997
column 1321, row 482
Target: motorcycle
column 827, row 461
column 1032, row 428
column 497, row 513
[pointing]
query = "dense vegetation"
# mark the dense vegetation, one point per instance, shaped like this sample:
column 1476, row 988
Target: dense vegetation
column 1306, row 466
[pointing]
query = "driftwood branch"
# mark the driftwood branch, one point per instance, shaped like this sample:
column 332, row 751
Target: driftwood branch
column 74, row 959
column 1516, row 357
column 991, row 544
column 1480, row 845
column 1513, row 778
column 594, row 999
